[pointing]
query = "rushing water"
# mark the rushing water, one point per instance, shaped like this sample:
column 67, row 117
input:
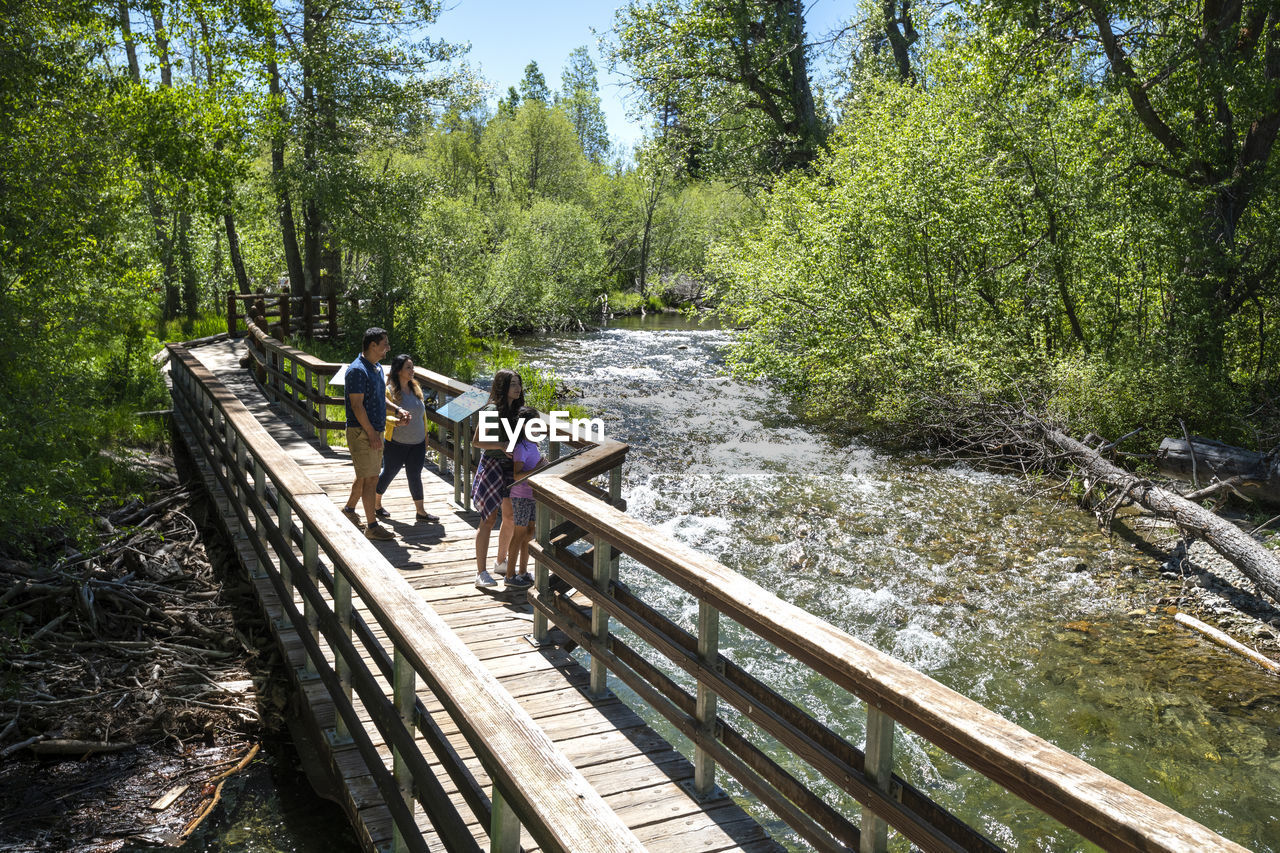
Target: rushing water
column 1015, row 601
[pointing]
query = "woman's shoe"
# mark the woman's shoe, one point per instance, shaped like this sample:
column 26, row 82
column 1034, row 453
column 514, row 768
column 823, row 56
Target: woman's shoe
column 427, row 517
column 381, row 512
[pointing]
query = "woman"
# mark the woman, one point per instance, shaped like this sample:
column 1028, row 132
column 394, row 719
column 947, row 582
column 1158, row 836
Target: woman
column 491, row 490
column 406, row 442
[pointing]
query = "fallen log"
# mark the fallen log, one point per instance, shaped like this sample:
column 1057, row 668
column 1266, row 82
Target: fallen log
column 1253, row 475
column 1259, row 564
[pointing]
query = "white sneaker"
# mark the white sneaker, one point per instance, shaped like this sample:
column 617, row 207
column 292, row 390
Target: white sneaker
column 500, row 569
column 485, row 579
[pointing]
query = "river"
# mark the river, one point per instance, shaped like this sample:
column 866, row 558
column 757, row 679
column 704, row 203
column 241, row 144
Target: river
column 1013, row 599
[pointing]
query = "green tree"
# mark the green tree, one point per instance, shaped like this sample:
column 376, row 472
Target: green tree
column 548, row 271
column 78, row 283
column 1205, row 89
column 727, row 80
column 580, row 99
column 507, row 106
column 346, row 77
column 535, row 153
column 534, row 86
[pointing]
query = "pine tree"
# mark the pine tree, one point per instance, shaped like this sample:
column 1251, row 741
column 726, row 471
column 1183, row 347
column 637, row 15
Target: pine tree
column 580, row 100
column 534, row 86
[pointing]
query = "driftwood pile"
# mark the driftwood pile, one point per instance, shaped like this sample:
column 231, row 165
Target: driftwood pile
column 126, row 700
column 123, row 644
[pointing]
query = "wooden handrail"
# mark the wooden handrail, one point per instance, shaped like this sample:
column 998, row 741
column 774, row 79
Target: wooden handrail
column 1088, row 801
column 550, row 797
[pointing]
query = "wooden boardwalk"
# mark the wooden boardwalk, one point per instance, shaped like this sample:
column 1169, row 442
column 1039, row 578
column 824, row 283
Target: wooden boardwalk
column 635, row 770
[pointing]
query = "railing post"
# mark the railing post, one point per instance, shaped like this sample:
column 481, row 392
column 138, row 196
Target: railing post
column 342, row 609
column 464, row 429
column 879, row 769
column 322, row 388
column 541, row 576
column 284, row 517
column 704, row 765
column 293, row 390
column 602, row 571
column 405, row 693
column 217, row 429
column 333, row 317
column 553, row 453
column 284, row 311
column 615, row 498
column 232, row 457
column 259, row 521
column 504, row 826
column 306, row 392
column 457, row 464
column 231, row 313
column 310, row 565
column 273, row 363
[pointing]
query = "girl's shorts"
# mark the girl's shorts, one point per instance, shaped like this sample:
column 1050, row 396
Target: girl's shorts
column 524, row 511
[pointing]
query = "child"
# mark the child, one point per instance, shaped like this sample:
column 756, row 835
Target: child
column 517, row 529
column 491, row 490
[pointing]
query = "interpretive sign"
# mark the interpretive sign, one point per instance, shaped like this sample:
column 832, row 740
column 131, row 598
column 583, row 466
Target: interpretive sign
column 464, row 406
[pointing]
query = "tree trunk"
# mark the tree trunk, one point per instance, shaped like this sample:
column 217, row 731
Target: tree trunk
column 1259, row 473
column 131, row 51
column 233, row 250
column 1247, row 554
column 801, row 96
column 187, row 268
column 228, row 219
column 900, row 40
column 288, row 230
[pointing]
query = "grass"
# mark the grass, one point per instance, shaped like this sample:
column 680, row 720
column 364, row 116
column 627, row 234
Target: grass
column 628, row 301
column 183, row 329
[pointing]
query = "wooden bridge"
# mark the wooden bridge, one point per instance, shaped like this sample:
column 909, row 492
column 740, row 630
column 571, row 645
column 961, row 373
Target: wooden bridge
column 449, row 720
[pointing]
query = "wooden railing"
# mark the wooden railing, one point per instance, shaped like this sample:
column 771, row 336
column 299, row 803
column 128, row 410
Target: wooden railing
column 303, row 314
column 316, row 562
column 1088, row 801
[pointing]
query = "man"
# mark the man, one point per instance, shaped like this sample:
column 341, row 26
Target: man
column 366, row 398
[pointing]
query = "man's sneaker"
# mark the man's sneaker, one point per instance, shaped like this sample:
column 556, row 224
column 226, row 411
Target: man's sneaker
column 377, row 531
column 353, row 517
column 485, row 579
column 521, row 580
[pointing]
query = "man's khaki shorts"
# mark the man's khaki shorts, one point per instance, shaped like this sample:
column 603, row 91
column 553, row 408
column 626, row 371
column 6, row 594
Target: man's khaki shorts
column 368, row 461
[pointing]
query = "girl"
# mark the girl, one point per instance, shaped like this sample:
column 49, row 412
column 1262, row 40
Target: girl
column 491, row 490
column 517, row 526
column 406, row 443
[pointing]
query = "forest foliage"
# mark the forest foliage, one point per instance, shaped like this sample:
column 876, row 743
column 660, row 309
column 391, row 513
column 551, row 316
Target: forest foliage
column 1073, row 204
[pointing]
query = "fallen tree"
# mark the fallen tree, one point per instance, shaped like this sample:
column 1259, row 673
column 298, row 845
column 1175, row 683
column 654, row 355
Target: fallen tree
column 1247, row 473
column 1259, row 564
column 1009, row 437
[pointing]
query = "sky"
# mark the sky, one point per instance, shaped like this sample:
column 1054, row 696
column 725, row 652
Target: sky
column 506, row 34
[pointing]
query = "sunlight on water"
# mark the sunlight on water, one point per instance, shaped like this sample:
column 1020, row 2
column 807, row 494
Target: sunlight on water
column 1015, row 601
